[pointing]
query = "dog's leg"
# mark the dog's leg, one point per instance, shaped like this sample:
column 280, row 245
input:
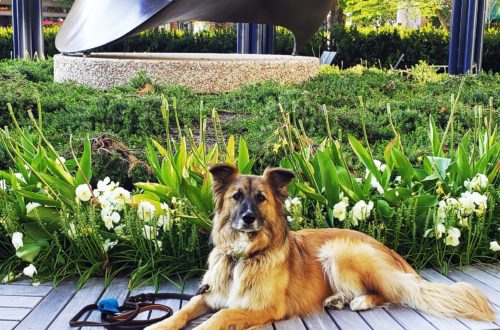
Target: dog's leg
column 338, row 300
column 367, row 301
column 193, row 309
column 238, row 319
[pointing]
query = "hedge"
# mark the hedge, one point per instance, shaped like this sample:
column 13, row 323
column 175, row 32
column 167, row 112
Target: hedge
column 379, row 47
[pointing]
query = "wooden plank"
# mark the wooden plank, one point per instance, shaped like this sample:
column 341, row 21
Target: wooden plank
column 13, row 314
column 24, row 290
column 347, row 319
column 47, row 310
column 491, row 293
column 293, row 323
column 493, row 269
column 167, row 287
column 117, row 289
column 482, row 276
column 8, row 325
column 379, row 319
column 432, row 275
column 194, row 323
column 28, row 282
column 19, row 301
column 409, row 319
column 88, row 294
column 320, row 320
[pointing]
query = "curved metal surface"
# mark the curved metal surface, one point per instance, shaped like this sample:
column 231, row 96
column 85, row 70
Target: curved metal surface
column 94, row 23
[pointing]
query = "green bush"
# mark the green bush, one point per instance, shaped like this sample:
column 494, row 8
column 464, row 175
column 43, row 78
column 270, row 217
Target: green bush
column 378, row 47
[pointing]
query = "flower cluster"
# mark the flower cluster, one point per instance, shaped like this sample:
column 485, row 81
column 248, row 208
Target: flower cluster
column 359, row 212
column 470, row 203
column 294, row 208
column 373, row 181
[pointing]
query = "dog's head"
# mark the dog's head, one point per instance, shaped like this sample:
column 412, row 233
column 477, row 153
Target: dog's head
column 249, row 204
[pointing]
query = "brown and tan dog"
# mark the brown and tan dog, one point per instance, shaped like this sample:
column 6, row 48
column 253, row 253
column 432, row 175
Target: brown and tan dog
column 260, row 272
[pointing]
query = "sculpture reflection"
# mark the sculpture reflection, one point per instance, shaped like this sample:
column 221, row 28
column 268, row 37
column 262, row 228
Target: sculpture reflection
column 94, row 23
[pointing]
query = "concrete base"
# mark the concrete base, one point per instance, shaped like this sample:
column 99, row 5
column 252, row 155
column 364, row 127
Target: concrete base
column 204, row 73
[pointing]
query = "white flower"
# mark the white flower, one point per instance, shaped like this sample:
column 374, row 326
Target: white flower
column 146, row 211
column 290, row 203
column 375, row 184
column 108, row 244
column 35, row 283
column 3, row 185
column 30, row 270
column 494, row 246
column 110, row 217
column 289, row 219
column 158, row 245
column 380, row 166
column 60, row 161
column 72, row 231
column 165, row 221
column 83, row 192
column 468, row 185
column 361, row 211
column 150, row 232
column 8, row 278
column 440, row 230
column 452, row 238
column 17, row 240
column 20, row 177
column 467, row 204
column 398, row 179
column 31, row 206
column 480, row 200
column 479, row 181
column 119, row 197
column 340, row 209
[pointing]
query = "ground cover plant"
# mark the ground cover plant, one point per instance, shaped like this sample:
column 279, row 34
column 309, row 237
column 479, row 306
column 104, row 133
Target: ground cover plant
column 427, row 166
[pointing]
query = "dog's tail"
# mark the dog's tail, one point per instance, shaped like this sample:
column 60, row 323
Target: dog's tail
column 456, row 300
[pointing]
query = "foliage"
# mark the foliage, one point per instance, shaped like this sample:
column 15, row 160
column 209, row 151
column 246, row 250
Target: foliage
column 441, row 211
column 380, row 47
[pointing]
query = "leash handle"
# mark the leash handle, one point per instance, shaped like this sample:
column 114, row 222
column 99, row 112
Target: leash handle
column 132, row 307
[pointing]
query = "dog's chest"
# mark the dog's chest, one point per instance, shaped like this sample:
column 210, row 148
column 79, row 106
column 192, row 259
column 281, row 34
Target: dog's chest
column 228, row 284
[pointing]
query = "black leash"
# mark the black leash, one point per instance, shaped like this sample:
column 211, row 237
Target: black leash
column 133, row 306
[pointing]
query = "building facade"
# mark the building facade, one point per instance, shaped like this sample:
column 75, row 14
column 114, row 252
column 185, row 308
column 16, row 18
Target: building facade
column 53, row 11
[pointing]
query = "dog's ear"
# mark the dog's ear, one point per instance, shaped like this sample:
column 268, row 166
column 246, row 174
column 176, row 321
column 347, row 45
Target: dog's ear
column 223, row 175
column 278, row 179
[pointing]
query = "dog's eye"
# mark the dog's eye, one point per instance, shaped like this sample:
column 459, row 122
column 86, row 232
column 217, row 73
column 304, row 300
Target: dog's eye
column 237, row 196
column 260, row 198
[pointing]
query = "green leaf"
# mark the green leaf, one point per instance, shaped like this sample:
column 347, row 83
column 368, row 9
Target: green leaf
column 384, row 209
column 311, row 193
column 463, row 165
column 85, row 169
column 230, row 150
column 365, row 158
column 59, row 171
column 434, row 137
column 403, row 166
column 30, row 251
column 35, row 232
column 203, row 224
column 161, row 190
column 437, row 165
column 193, row 193
column 43, row 213
column 38, row 198
column 243, row 156
column 330, row 178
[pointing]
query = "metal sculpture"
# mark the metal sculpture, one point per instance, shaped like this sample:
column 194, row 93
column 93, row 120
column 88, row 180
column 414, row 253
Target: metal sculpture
column 94, row 23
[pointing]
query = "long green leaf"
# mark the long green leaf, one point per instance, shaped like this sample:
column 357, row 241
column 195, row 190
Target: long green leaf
column 84, row 173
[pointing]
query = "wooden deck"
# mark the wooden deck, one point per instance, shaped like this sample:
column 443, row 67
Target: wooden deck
column 24, row 307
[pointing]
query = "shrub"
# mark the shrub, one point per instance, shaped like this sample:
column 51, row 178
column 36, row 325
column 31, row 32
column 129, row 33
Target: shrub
column 378, row 47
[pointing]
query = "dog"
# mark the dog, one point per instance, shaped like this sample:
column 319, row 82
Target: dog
column 260, row 272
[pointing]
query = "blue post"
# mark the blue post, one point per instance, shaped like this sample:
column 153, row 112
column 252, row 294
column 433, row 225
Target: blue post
column 255, row 38
column 466, row 38
column 28, row 32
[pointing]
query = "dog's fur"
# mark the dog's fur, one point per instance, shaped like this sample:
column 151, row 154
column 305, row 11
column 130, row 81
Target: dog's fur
column 260, row 273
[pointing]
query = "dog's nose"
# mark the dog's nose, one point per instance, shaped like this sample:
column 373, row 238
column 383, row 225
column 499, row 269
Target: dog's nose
column 248, row 217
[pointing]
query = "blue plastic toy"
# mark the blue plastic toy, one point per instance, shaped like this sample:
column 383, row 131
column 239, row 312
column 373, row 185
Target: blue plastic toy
column 108, row 305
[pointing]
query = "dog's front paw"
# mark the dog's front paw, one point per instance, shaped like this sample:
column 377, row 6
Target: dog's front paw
column 336, row 301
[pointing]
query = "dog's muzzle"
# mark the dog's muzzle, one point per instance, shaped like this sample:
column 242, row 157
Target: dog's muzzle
column 247, row 223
